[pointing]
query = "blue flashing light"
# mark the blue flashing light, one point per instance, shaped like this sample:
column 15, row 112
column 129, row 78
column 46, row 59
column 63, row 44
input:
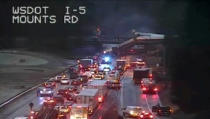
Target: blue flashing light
column 107, row 59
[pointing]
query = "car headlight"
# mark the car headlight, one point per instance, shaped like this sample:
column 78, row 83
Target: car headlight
column 131, row 112
column 49, row 91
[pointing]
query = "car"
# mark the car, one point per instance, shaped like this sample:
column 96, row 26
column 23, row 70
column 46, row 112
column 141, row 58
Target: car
column 64, row 81
column 106, row 69
column 62, row 112
column 73, row 75
column 69, row 103
column 75, row 82
column 59, row 99
column 88, row 74
column 49, row 84
column 71, row 88
column 63, row 92
column 62, row 108
column 44, row 92
column 146, row 115
column 146, row 81
column 131, row 112
column 76, row 93
column 112, row 73
column 113, row 84
column 49, row 102
column 33, row 115
column 162, row 110
column 99, row 76
column 58, row 78
column 83, row 78
column 150, row 89
column 70, row 97
column 61, row 115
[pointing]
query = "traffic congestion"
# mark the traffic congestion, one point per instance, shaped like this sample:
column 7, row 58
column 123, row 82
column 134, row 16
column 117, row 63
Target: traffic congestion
column 81, row 90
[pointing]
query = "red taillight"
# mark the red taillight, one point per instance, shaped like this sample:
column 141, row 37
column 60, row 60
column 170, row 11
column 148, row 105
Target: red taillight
column 150, row 75
column 155, row 89
column 151, row 116
column 144, row 88
column 32, row 112
column 100, row 99
column 141, row 116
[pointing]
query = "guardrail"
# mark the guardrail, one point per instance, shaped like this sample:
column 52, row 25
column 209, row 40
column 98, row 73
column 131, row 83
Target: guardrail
column 28, row 90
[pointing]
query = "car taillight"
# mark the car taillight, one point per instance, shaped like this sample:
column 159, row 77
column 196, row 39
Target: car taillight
column 100, row 99
column 155, row 89
column 150, row 75
column 31, row 117
column 144, row 89
column 51, row 100
column 141, row 116
column 151, row 116
column 32, row 112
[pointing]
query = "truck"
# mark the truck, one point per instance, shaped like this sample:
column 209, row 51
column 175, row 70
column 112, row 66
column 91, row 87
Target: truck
column 89, row 97
column 139, row 74
column 120, row 65
column 85, row 63
column 79, row 111
column 101, row 86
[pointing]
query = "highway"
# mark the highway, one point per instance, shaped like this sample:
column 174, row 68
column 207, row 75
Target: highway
column 128, row 95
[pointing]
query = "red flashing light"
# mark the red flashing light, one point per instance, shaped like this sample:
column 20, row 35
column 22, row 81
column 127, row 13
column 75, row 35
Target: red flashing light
column 151, row 116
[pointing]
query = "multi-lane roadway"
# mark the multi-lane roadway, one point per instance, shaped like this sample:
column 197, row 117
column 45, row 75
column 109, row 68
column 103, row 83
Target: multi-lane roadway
column 129, row 95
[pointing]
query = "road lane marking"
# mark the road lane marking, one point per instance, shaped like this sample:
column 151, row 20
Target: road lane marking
column 149, row 107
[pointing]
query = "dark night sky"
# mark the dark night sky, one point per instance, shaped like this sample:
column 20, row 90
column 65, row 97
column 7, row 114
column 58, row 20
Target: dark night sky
column 115, row 18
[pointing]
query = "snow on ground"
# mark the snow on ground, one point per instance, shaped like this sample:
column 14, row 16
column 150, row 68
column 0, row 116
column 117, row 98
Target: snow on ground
column 17, row 59
column 21, row 70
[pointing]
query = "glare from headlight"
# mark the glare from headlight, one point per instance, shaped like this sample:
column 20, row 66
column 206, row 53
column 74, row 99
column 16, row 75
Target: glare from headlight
column 131, row 112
